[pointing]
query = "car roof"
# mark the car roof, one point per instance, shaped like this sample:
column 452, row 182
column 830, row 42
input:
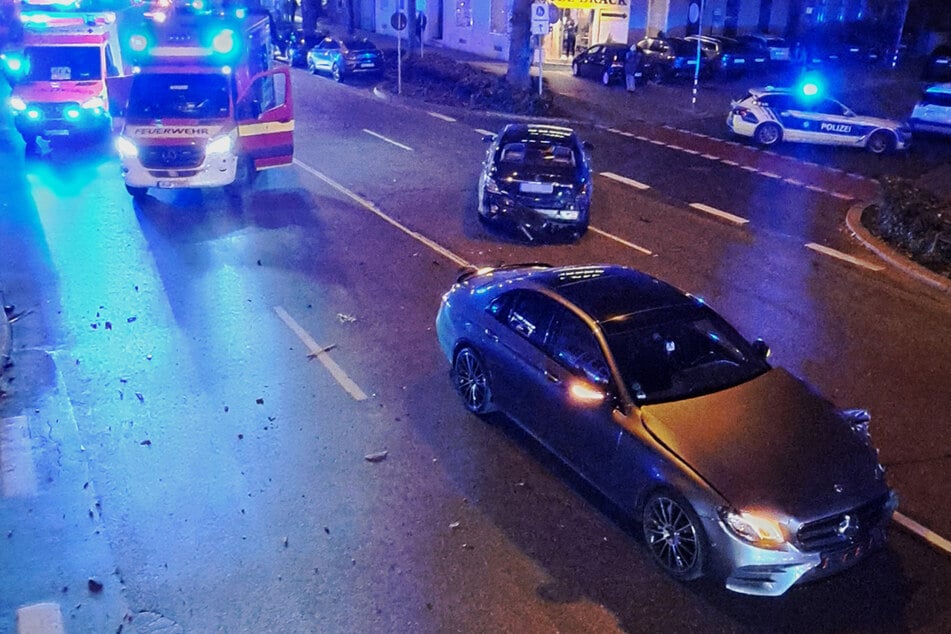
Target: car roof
column 534, row 132
column 609, row 292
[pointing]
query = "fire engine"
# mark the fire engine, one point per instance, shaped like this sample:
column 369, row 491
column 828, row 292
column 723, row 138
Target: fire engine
column 69, row 78
column 207, row 106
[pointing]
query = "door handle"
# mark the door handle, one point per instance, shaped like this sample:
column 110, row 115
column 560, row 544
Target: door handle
column 552, row 377
column 491, row 335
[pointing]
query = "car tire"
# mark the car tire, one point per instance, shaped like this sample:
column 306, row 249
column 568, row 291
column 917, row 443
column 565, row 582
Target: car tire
column 471, row 380
column 674, row 535
column 881, row 142
column 137, row 193
column 575, row 69
column 336, row 73
column 768, row 134
column 606, row 78
column 311, row 66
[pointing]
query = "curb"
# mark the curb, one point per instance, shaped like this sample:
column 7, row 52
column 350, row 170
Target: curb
column 853, row 220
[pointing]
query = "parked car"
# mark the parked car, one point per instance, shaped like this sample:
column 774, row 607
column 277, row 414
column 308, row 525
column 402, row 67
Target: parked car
column 537, row 179
column 735, row 469
column 770, row 115
column 670, row 58
column 938, row 65
column 343, row 58
column 603, row 61
column 727, row 56
column 932, row 113
column 775, row 48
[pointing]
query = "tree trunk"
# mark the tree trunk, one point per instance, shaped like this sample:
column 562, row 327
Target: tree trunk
column 310, row 11
column 520, row 45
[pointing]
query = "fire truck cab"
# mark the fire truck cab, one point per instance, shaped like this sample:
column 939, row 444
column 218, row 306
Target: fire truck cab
column 69, row 78
column 207, row 107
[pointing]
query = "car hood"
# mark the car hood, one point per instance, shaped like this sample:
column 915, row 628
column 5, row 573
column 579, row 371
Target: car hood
column 771, row 442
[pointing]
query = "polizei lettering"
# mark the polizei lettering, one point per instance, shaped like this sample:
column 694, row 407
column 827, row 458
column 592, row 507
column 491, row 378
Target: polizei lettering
column 835, row 127
column 174, row 131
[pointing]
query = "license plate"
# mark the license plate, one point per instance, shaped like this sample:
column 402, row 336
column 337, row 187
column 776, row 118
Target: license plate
column 367, row 65
column 166, row 184
column 57, row 133
column 536, row 188
column 741, row 61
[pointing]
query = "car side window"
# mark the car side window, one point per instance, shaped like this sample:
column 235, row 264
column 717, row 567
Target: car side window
column 574, row 345
column 526, row 313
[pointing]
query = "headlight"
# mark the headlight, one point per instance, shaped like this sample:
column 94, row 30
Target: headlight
column 221, row 145
column 491, row 187
column 755, row 528
column 95, row 102
column 17, row 104
column 126, row 147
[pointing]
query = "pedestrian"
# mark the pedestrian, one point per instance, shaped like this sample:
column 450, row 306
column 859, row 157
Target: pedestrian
column 632, row 67
column 570, row 34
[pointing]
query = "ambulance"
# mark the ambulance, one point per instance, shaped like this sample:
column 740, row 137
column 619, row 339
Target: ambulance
column 207, row 106
column 69, row 78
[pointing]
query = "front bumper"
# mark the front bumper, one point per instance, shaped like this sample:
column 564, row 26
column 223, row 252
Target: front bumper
column 748, row 569
column 51, row 120
column 215, row 170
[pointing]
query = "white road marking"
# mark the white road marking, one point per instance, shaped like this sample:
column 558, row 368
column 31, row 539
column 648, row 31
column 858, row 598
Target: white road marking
column 40, row 618
column 624, row 179
column 793, row 181
column 712, row 157
column 619, row 240
column 441, row 116
column 720, row 213
column 366, row 204
column 675, row 147
column 925, row 533
column 841, row 196
column 730, row 163
column 484, row 132
column 321, row 354
column 383, row 138
column 843, row 256
column 749, row 168
column 771, row 175
column 621, row 132
column 816, row 188
column 641, row 138
column 689, row 151
column 656, row 142
column 17, row 473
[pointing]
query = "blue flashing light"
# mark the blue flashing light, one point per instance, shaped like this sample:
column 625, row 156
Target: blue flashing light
column 223, row 42
column 810, row 85
column 810, row 89
column 138, row 42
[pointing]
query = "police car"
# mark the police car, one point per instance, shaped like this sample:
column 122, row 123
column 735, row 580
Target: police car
column 770, row 115
column 932, row 113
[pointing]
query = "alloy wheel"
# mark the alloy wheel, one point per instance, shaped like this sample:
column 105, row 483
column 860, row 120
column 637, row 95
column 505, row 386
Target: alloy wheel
column 471, row 381
column 673, row 536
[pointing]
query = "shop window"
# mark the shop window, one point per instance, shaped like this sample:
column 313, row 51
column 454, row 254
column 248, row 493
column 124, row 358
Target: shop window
column 499, row 17
column 464, row 13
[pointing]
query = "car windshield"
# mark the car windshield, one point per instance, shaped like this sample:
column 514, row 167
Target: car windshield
column 683, row 48
column 62, row 63
column 360, row 45
column 179, row 96
column 681, row 353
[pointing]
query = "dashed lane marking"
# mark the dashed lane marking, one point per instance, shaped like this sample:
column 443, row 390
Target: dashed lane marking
column 749, row 168
column 441, row 116
column 17, row 473
column 843, row 256
column 620, row 240
column 841, row 196
column 627, row 181
column 925, row 533
column 391, row 141
column 712, row 157
column 321, row 354
column 484, row 132
column 369, row 206
column 793, row 181
column 816, row 188
column 719, row 213
column 40, row 618
column 771, row 175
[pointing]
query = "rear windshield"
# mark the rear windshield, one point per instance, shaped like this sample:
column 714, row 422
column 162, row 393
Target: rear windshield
column 537, row 154
column 63, row 63
column 360, row 45
column 936, row 99
column 179, row 96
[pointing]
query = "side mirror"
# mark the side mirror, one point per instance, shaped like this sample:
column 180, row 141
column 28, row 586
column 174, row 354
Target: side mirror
column 761, row 349
column 488, row 138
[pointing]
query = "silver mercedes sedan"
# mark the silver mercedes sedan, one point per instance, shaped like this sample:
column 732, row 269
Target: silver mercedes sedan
column 735, row 469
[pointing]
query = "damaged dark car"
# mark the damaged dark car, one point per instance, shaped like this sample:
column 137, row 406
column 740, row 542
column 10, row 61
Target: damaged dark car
column 537, row 180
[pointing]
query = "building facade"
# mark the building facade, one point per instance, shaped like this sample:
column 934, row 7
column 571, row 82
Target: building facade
column 482, row 26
